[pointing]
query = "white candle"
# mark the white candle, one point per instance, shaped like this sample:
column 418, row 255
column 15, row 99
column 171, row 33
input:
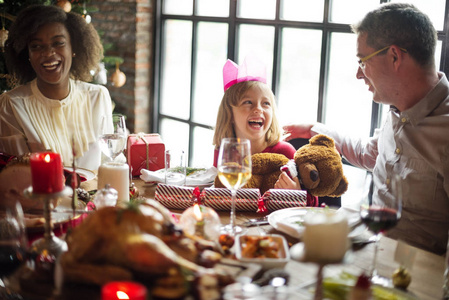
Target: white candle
column 117, row 176
column 325, row 236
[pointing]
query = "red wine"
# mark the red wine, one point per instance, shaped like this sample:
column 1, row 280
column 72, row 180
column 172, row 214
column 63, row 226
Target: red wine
column 11, row 257
column 379, row 219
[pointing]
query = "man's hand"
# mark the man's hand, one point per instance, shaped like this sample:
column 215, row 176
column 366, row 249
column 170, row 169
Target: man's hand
column 295, row 131
column 285, row 182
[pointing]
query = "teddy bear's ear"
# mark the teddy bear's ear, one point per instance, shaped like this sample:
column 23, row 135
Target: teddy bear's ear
column 341, row 188
column 321, row 139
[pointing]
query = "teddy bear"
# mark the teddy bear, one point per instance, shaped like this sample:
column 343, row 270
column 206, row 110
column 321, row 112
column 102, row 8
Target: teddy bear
column 318, row 165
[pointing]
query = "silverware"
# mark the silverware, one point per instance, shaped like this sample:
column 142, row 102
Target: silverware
column 256, row 222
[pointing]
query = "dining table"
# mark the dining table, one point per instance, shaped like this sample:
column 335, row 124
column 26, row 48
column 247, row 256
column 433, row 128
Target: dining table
column 427, row 271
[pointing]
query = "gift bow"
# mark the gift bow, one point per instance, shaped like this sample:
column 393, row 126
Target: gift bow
column 250, row 70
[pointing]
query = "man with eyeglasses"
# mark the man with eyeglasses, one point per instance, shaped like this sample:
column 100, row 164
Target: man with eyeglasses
column 396, row 45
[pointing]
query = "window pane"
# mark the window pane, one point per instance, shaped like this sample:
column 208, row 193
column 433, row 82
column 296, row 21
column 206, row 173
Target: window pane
column 350, row 11
column 438, row 54
column 259, row 41
column 356, row 179
column 299, row 75
column 175, row 135
column 256, row 9
column 176, row 67
column 433, row 8
column 348, row 101
column 177, row 7
column 203, row 150
column 302, row 10
column 210, row 59
column 216, row 8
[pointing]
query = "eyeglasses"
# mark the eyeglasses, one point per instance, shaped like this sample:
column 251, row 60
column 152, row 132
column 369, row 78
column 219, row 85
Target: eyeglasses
column 364, row 59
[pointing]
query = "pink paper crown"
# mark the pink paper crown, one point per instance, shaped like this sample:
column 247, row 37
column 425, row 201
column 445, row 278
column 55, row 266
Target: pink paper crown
column 250, row 70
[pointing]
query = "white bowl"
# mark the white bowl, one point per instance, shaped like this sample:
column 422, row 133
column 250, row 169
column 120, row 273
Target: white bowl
column 266, row 263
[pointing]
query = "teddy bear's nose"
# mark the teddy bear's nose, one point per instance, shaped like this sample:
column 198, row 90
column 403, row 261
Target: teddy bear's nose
column 314, row 175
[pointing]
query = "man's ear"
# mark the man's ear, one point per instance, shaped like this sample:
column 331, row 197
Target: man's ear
column 397, row 56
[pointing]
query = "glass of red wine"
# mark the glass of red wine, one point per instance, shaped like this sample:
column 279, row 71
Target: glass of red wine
column 381, row 215
column 13, row 240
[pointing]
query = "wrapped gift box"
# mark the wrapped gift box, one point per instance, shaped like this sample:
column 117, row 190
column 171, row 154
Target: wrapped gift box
column 145, row 151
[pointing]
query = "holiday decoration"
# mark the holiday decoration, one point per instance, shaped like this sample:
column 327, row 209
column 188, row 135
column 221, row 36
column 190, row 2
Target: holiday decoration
column 118, row 78
column 65, row 5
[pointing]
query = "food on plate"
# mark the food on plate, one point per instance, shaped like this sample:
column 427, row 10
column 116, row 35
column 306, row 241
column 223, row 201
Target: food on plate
column 339, row 288
column 259, row 247
column 362, row 289
column 139, row 242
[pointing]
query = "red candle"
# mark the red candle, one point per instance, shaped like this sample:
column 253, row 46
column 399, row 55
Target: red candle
column 123, row 290
column 47, row 174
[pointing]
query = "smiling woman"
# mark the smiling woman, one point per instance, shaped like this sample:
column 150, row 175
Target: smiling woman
column 51, row 53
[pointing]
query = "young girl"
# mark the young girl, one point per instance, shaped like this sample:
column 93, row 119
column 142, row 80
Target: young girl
column 248, row 110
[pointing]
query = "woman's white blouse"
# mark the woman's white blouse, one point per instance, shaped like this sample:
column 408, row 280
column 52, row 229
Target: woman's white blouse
column 31, row 122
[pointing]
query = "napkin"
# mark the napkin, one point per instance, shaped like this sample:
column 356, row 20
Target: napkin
column 197, row 178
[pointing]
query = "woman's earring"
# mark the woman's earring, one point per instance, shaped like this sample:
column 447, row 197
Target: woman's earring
column 73, row 54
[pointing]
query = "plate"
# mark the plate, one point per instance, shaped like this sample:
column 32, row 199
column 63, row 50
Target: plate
column 298, row 253
column 289, row 220
column 265, row 262
column 34, row 221
column 339, row 286
column 88, row 174
column 198, row 177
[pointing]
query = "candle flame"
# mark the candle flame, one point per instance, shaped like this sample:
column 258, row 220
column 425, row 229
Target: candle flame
column 122, row 295
column 47, row 158
column 197, row 212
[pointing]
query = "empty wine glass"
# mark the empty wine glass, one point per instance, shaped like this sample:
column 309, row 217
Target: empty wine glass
column 380, row 215
column 13, row 240
column 234, row 170
column 112, row 144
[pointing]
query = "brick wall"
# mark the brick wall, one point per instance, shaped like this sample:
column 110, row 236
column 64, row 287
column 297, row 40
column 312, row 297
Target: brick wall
column 128, row 25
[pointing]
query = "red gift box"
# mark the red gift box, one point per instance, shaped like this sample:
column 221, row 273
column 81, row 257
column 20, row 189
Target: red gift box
column 145, row 151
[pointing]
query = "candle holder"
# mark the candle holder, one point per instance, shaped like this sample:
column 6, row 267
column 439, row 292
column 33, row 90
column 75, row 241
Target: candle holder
column 325, row 241
column 47, row 249
column 201, row 221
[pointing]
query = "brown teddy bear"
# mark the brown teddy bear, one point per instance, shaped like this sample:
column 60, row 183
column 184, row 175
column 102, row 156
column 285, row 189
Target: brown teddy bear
column 318, row 164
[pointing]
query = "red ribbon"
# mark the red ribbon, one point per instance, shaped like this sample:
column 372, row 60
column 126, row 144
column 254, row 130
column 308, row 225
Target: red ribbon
column 196, row 196
column 261, row 208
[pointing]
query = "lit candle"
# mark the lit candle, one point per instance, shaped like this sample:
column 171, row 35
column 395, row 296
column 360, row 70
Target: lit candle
column 47, row 174
column 117, row 176
column 199, row 225
column 123, row 290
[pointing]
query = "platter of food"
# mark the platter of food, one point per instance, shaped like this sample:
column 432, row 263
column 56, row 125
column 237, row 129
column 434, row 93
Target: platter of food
column 269, row 251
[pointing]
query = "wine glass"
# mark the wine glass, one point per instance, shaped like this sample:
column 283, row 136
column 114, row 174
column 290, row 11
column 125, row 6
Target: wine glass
column 234, row 170
column 13, row 240
column 112, row 144
column 381, row 215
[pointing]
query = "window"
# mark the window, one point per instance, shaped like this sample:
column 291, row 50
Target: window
column 307, row 46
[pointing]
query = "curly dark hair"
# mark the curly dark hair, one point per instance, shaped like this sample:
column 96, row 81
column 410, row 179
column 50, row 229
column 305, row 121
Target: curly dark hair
column 83, row 37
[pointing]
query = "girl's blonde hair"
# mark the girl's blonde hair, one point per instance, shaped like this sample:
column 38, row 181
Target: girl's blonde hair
column 225, row 119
